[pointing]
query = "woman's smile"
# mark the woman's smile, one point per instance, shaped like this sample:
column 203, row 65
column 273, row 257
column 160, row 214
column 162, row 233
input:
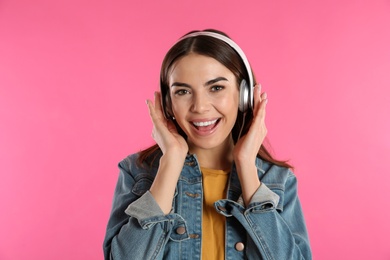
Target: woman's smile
column 205, row 127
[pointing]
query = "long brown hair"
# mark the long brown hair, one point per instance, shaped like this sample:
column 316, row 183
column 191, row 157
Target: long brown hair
column 226, row 55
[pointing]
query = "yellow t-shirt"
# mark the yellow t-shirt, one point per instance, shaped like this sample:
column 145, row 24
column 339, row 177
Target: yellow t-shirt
column 213, row 223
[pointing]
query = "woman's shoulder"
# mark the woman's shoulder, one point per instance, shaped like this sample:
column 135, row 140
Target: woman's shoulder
column 273, row 173
column 133, row 163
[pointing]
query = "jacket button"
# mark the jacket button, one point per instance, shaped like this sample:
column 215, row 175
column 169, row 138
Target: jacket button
column 239, row 246
column 180, row 230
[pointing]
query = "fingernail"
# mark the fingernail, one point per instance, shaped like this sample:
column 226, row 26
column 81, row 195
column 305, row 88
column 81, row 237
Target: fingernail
column 146, row 101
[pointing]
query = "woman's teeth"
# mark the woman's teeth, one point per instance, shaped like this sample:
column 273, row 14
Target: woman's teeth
column 207, row 123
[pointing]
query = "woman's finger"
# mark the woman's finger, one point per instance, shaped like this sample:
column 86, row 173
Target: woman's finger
column 256, row 96
column 158, row 103
column 152, row 112
column 260, row 101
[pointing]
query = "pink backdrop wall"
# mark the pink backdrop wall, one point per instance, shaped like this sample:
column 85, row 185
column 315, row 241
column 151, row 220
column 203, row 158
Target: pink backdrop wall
column 74, row 76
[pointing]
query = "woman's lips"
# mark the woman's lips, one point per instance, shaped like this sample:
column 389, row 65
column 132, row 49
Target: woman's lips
column 205, row 127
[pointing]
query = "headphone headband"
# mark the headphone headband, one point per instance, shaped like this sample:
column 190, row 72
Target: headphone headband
column 231, row 43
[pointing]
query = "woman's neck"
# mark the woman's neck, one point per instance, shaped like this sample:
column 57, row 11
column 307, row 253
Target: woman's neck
column 219, row 158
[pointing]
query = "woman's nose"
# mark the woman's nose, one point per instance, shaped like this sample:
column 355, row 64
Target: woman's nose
column 200, row 103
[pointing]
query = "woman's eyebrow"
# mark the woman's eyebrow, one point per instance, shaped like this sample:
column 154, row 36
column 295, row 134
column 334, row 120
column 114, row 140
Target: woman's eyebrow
column 180, row 84
column 208, row 83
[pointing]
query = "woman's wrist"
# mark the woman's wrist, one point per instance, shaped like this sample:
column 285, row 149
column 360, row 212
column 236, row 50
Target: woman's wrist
column 164, row 184
column 174, row 156
column 247, row 173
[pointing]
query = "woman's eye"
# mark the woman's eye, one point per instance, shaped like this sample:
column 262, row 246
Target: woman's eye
column 217, row 88
column 181, row 92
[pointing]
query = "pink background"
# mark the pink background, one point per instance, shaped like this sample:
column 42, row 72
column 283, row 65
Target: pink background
column 74, row 76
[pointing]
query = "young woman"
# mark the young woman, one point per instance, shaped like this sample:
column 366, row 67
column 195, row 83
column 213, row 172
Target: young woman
column 208, row 189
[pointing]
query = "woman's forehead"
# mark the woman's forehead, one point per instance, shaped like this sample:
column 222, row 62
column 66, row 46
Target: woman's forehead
column 196, row 66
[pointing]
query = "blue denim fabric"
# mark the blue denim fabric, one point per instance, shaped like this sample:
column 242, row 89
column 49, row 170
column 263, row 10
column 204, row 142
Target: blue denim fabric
column 272, row 226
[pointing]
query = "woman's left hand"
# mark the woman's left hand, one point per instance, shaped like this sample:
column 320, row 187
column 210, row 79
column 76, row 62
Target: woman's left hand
column 247, row 147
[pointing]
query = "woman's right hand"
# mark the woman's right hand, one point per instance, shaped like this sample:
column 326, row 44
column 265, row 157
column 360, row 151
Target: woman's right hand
column 164, row 131
column 174, row 149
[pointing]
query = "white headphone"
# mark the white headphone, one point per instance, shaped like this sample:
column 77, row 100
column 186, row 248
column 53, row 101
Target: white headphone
column 246, row 90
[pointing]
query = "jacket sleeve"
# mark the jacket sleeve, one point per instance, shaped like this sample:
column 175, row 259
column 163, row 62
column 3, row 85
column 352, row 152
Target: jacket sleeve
column 273, row 220
column 137, row 228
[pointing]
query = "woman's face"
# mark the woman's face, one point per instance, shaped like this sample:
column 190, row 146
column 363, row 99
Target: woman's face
column 205, row 97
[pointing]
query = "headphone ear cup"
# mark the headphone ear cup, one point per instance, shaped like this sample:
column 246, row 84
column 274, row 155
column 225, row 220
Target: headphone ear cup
column 244, row 104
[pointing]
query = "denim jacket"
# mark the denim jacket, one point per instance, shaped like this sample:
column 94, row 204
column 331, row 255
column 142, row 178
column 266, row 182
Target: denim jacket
column 272, row 226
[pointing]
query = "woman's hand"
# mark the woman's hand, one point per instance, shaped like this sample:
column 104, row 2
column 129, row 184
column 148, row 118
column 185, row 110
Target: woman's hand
column 174, row 149
column 247, row 147
column 164, row 131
